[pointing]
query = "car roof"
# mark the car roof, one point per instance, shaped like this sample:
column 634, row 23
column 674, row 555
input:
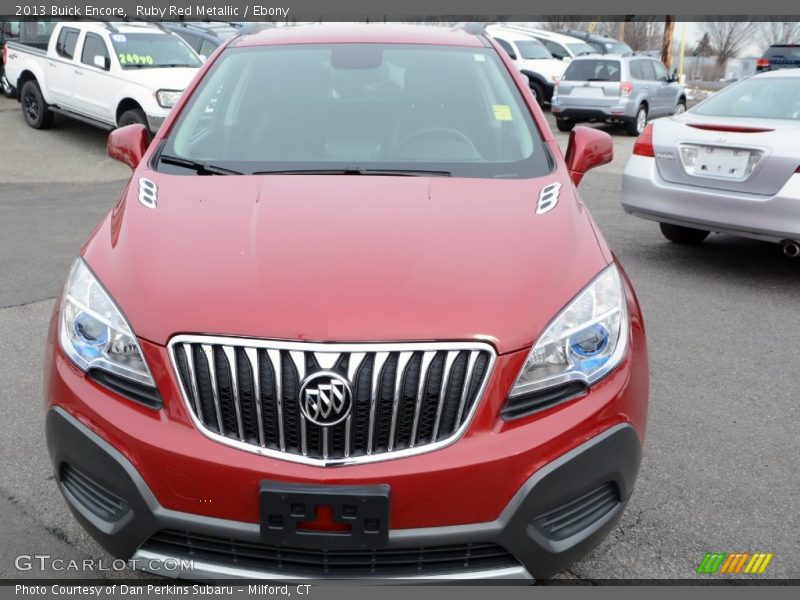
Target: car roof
column 512, row 33
column 562, row 38
column 361, row 33
column 117, row 27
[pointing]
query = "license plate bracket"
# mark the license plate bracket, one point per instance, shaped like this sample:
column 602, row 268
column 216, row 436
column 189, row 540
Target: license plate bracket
column 357, row 517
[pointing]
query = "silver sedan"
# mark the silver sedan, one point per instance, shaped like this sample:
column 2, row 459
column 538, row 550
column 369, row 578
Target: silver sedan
column 730, row 164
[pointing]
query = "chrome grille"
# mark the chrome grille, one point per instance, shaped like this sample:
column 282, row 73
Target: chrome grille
column 403, row 398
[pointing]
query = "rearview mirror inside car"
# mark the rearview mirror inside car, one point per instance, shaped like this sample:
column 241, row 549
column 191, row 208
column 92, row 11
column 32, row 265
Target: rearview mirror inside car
column 128, row 144
column 588, row 148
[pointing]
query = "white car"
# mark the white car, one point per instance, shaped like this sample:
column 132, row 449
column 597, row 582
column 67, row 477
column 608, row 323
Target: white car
column 531, row 58
column 109, row 75
column 562, row 47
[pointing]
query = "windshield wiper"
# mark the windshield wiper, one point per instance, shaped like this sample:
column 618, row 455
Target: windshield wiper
column 359, row 171
column 200, row 167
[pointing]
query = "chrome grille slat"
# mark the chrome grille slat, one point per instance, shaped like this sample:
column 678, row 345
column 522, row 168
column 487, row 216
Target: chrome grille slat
column 277, row 367
column 448, row 364
column 208, row 350
column 377, row 373
column 230, row 356
column 427, row 359
column 405, row 398
column 252, row 359
column 402, row 362
column 195, row 393
column 473, row 357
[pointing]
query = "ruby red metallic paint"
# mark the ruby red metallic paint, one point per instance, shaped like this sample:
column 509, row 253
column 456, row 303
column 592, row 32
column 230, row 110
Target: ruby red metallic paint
column 353, row 259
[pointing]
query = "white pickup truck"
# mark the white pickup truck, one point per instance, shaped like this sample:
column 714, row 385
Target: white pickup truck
column 109, row 75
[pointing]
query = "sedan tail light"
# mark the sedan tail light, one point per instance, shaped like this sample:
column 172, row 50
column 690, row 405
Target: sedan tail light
column 762, row 63
column 625, row 89
column 644, row 143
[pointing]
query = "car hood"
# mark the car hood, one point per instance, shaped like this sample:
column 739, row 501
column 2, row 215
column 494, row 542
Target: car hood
column 543, row 66
column 176, row 78
column 345, row 258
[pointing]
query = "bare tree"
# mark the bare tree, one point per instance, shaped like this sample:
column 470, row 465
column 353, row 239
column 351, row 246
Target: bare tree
column 778, row 32
column 643, row 35
column 728, row 38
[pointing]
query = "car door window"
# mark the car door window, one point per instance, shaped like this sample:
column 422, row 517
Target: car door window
column 207, row 48
column 66, row 43
column 557, row 50
column 637, row 72
column 660, row 71
column 648, row 73
column 93, row 47
column 507, row 47
column 191, row 39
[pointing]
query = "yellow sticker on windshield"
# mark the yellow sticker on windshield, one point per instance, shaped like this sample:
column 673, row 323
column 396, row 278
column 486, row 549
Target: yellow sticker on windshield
column 126, row 58
column 502, row 112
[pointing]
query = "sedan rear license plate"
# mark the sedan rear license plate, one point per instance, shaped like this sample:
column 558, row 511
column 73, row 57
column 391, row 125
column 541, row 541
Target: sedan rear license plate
column 329, row 517
column 714, row 161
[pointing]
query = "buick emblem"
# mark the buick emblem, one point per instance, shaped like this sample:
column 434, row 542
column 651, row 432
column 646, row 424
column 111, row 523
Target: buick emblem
column 325, row 398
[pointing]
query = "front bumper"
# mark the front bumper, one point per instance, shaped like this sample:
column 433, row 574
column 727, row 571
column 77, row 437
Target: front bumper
column 647, row 195
column 608, row 459
column 486, row 488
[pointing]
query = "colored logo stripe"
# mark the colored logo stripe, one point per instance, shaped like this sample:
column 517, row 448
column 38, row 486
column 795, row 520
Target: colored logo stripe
column 734, row 562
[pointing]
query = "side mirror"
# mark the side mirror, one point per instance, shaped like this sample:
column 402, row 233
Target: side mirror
column 128, row 144
column 102, row 62
column 588, row 148
column 566, row 59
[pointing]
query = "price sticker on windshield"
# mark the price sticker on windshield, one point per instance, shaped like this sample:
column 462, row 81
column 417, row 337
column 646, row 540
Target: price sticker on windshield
column 126, row 58
column 502, row 112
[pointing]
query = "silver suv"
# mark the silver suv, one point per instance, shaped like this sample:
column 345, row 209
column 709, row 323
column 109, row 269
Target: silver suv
column 627, row 90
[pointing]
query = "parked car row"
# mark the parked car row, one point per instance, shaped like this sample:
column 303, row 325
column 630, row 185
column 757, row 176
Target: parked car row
column 591, row 78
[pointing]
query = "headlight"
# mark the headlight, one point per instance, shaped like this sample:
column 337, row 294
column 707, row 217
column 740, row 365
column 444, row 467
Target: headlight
column 93, row 332
column 584, row 342
column 168, row 98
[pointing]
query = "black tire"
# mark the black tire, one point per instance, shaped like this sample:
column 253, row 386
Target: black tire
column 34, row 108
column 685, row 236
column 635, row 126
column 565, row 124
column 538, row 92
column 134, row 116
column 680, row 108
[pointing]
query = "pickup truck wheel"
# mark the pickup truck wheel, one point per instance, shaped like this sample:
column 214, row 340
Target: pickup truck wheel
column 132, row 116
column 565, row 124
column 538, row 92
column 683, row 235
column 34, row 108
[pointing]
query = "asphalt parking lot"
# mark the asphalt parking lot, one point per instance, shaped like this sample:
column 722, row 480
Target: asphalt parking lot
column 720, row 471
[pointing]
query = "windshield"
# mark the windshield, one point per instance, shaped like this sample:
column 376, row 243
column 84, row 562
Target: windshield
column 581, row 48
column 357, row 108
column 592, row 70
column 759, row 97
column 532, row 49
column 152, row 50
column 617, row 48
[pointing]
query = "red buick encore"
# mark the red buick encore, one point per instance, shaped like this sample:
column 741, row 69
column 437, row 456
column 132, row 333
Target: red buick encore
column 349, row 318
